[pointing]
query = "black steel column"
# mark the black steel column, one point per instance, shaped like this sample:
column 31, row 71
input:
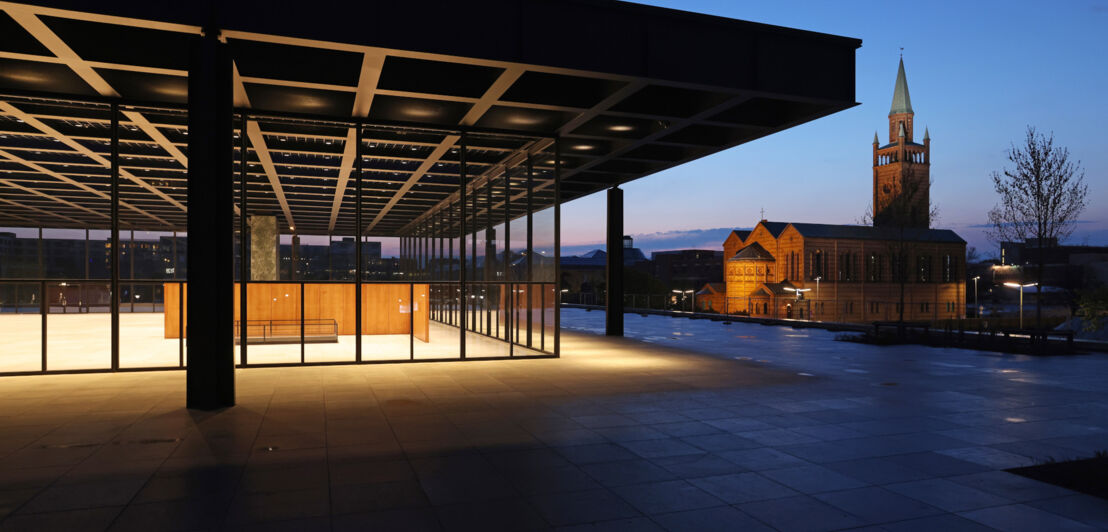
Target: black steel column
column 507, row 288
column 358, row 246
column 614, row 315
column 244, row 250
column 558, row 249
column 530, row 247
column 210, row 322
column 462, row 246
column 174, row 252
column 43, row 308
column 490, row 259
column 131, row 272
column 114, row 308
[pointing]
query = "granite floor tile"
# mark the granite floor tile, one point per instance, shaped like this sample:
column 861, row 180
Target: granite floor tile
column 666, row 496
column 720, row 518
column 626, row 472
column 741, row 488
column 1087, row 509
column 876, row 505
column 1021, row 518
column 581, row 507
column 697, row 465
column 943, row 522
column 1011, row 487
column 800, row 514
column 659, row 448
column 948, row 495
column 762, row 459
column 813, row 479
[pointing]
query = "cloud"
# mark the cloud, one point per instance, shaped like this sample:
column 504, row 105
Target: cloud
column 707, row 238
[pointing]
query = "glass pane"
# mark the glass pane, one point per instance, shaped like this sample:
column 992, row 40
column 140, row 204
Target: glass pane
column 386, row 321
column 329, row 322
column 20, row 325
column 485, row 309
column 78, row 326
column 272, row 322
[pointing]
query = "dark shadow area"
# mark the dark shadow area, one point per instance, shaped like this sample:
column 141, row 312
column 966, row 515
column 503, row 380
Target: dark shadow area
column 1088, row 475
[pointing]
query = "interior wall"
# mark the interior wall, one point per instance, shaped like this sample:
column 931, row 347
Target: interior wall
column 385, row 307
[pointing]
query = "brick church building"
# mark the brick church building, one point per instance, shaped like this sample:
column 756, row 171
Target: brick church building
column 856, row 273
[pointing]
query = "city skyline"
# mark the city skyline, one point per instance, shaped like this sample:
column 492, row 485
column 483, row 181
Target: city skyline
column 1021, row 72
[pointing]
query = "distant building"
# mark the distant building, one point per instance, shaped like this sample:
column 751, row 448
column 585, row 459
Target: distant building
column 856, row 273
column 1064, row 266
column 712, row 297
column 688, row 268
column 584, row 274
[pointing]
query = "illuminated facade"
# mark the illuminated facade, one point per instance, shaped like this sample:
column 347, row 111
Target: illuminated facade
column 898, row 267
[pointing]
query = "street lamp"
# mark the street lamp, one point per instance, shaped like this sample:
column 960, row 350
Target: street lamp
column 976, row 309
column 817, row 289
column 1021, row 287
column 684, row 294
column 799, row 291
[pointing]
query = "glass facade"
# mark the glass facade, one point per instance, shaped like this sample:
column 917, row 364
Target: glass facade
column 354, row 242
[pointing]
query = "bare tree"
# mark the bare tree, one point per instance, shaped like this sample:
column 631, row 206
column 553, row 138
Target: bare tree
column 1040, row 199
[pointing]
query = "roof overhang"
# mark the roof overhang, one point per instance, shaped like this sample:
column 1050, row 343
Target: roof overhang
column 629, row 90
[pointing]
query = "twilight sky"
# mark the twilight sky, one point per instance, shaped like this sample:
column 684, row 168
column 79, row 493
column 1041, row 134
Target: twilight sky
column 978, row 72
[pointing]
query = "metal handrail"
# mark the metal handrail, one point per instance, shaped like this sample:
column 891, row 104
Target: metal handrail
column 269, row 328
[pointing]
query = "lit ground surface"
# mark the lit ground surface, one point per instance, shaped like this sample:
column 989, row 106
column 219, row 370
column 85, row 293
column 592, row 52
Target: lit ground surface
column 82, row 341
column 805, row 434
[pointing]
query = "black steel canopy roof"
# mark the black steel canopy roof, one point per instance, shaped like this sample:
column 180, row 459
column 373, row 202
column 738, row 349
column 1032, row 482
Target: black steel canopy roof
column 630, row 90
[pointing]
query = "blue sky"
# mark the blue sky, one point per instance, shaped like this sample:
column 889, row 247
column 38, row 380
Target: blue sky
column 978, row 73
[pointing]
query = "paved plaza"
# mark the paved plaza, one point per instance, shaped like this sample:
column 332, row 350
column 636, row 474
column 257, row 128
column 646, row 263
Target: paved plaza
column 688, row 425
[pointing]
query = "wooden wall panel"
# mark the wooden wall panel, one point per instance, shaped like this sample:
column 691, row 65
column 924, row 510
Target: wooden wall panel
column 421, row 312
column 331, row 301
column 385, row 307
column 172, row 296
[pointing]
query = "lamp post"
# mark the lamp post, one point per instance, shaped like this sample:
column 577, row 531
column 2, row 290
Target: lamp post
column 684, row 295
column 817, row 288
column 798, row 291
column 1021, row 287
column 976, row 309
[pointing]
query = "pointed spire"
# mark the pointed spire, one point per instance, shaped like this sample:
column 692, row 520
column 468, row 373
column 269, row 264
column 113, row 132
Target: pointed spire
column 926, row 135
column 875, row 141
column 902, row 133
column 902, row 102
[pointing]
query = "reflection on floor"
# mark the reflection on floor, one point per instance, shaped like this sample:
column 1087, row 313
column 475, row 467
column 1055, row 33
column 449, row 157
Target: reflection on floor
column 83, row 341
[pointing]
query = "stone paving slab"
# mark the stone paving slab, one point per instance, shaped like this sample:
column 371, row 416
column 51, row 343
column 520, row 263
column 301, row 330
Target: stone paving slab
column 767, row 433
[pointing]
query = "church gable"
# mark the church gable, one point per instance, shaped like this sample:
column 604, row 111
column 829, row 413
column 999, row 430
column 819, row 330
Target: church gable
column 735, row 241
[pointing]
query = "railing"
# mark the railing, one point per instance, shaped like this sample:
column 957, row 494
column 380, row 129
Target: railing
column 288, row 331
column 1008, row 340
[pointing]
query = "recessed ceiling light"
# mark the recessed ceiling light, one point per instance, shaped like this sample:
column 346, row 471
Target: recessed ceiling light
column 620, row 127
column 582, row 147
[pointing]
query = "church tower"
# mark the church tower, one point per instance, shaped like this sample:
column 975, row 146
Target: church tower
column 902, row 168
